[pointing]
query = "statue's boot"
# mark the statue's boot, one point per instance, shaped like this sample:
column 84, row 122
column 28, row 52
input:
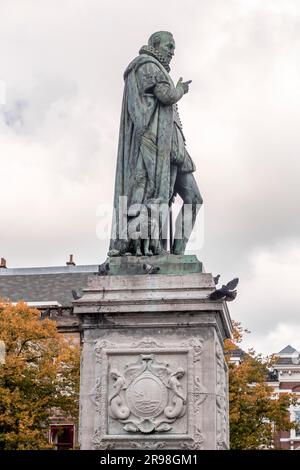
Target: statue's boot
column 179, row 246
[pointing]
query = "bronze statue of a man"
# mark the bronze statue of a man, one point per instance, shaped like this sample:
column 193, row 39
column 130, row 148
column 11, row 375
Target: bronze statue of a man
column 153, row 162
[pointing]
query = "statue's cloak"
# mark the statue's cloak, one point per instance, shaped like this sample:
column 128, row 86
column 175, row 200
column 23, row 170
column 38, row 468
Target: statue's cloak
column 146, row 128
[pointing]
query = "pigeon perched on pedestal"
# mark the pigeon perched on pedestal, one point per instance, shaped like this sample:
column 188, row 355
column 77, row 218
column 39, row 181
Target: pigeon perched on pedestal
column 103, row 269
column 226, row 292
column 150, row 269
column 76, row 295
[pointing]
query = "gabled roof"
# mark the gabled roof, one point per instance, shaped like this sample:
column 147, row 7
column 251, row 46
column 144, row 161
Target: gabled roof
column 287, row 350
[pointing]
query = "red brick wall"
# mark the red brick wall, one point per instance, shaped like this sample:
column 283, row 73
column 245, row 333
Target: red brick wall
column 289, row 385
column 284, row 446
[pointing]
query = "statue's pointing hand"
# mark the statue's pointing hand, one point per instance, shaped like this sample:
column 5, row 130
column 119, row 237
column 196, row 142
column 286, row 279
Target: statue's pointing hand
column 183, row 85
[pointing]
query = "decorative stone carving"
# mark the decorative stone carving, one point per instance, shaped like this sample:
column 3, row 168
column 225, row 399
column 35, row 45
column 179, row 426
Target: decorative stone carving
column 200, row 394
column 96, row 396
column 100, row 345
column 148, row 445
column 147, row 343
column 196, row 443
column 100, row 444
column 117, row 403
column 221, row 400
column 142, row 388
column 197, row 345
column 148, row 397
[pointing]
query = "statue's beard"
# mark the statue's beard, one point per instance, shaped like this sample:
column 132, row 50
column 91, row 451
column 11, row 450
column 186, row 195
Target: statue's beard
column 166, row 57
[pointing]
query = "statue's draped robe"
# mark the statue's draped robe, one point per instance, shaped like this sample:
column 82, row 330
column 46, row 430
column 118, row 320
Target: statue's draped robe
column 144, row 169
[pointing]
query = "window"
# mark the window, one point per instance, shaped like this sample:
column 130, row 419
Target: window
column 62, row 436
column 297, row 419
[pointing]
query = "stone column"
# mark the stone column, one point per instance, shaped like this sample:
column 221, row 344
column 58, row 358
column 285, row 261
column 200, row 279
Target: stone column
column 153, row 374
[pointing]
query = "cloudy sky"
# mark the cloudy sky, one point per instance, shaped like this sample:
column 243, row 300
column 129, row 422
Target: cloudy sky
column 61, row 66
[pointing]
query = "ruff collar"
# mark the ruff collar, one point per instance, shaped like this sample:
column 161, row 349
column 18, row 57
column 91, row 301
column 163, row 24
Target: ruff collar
column 156, row 54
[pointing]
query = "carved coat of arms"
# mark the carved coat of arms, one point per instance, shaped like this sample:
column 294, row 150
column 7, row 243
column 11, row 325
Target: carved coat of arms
column 147, row 396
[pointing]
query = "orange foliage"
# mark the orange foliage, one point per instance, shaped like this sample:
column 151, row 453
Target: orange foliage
column 255, row 411
column 40, row 374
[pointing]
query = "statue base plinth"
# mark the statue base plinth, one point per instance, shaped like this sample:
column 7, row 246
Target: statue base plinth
column 168, row 264
column 153, row 374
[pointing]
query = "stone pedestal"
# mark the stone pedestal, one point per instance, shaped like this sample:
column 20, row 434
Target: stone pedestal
column 153, row 375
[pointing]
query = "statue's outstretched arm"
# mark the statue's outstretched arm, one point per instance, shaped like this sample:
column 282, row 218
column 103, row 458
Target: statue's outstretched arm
column 168, row 94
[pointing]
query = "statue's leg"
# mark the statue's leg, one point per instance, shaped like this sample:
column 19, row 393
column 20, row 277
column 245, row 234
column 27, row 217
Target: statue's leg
column 162, row 228
column 137, row 247
column 165, row 219
column 147, row 251
column 188, row 190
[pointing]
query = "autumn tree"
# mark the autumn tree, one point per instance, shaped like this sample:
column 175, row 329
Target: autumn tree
column 255, row 411
column 39, row 377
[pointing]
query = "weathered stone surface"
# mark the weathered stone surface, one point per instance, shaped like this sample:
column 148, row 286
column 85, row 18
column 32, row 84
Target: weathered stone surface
column 153, row 373
column 168, row 264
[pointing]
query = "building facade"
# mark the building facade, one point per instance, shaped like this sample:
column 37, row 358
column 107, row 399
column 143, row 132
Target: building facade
column 51, row 290
column 285, row 377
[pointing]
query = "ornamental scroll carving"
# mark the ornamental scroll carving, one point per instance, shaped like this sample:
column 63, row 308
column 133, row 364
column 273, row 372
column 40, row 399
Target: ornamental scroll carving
column 148, row 388
column 147, row 397
column 221, row 400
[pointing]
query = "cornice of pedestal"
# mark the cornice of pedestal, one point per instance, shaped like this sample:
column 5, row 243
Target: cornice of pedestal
column 167, row 299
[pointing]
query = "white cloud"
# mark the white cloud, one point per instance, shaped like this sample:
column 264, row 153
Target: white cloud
column 283, row 334
column 268, row 301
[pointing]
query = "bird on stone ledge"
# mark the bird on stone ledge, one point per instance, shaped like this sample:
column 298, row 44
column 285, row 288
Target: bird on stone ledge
column 150, row 269
column 103, row 269
column 227, row 292
column 76, row 295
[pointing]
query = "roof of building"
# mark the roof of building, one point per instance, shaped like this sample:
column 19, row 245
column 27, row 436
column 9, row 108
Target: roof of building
column 237, row 352
column 287, row 350
column 49, row 284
